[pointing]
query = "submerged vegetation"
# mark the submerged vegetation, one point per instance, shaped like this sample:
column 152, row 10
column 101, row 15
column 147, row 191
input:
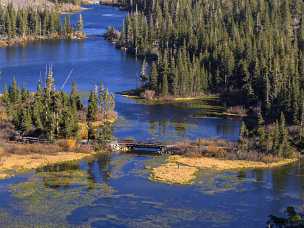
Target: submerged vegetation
column 218, row 155
column 184, row 170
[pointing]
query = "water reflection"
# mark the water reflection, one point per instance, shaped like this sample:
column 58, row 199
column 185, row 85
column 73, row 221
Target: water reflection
column 95, row 59
column 114, row 190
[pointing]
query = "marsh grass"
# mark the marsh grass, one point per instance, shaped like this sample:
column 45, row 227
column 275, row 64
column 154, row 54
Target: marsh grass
column 221, row 149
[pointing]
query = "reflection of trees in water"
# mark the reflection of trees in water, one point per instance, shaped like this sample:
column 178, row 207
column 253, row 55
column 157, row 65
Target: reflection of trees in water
column 280, row 178
column 259, row 175
column 158, row 128
column 161, row 129
column 59, row 167
column 100, row 168
column 104, row 165
column 289, row 179
column 162, row 126
column 180, row 128
column 59, row 175
column 225, row 130
column 152, row 127
column 67, row 174
column 241, row 175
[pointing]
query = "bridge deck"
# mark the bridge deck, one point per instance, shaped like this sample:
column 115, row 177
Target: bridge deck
column 142, row 145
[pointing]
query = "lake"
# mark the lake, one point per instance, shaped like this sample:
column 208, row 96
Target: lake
column 114, row 190
column 95, row 60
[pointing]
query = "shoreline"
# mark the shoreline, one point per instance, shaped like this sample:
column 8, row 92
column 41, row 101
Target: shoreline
column 183, row 170
column 14, row 164
column 30, row 39
column 74, row 10
column 176, row 100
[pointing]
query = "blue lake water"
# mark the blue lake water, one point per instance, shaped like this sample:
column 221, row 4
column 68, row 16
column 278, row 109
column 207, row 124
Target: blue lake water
column 114, row 190
column 95, row 60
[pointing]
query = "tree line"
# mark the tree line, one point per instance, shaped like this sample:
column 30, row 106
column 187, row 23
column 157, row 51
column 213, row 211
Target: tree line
column 16, row 23
column 251, row 49
column 271, row 140
column 55, row 114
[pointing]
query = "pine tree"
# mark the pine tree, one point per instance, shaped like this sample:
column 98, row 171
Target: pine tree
column 243, row 145
column 104, row 135
column 261, row 132
column 153, row 77
column 25, row 123
column 92, row 107
column 75, row 98
column 143, row 74
column 284, row 148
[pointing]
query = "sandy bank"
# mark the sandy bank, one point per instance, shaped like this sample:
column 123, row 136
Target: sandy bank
column 183, row 170
column 10, row 164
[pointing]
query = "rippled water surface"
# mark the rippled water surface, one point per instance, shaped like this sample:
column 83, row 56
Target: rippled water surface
column 114, row 190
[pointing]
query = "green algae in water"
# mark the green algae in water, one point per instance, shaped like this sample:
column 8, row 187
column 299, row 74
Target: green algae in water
column 213, row 182
column 136, row 211
column 56, row 195
column 45, row 199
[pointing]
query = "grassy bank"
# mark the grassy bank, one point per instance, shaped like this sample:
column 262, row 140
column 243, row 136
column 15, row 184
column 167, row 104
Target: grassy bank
column 192, row 156
column 16, row 158
column 183, row 170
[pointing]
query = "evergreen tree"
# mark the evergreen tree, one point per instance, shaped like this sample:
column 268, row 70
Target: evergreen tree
column 261, row 133
column 153, row 77
column 92, row 107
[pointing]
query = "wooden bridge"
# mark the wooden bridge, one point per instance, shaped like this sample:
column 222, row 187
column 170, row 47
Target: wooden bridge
column 30, row 140
column 131, row 145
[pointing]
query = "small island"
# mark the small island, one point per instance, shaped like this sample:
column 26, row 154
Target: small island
column 21, row 25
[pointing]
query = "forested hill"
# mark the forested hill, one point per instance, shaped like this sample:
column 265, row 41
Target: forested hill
column 251, row 48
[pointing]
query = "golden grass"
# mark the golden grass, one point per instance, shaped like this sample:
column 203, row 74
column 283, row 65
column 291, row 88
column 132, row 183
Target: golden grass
column 10, row 164
column 182, row 170
column 67, row 144
column 83, row 126
column 174, row 173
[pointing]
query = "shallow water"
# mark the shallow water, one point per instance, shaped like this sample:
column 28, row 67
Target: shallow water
column 114, row 190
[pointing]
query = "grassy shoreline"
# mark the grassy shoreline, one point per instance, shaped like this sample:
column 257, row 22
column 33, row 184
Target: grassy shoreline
column 13, row 164
column 183, row 170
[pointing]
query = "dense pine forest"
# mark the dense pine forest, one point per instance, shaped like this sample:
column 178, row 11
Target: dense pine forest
column 250, row 49
column 30, row 22
column 54, row 114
